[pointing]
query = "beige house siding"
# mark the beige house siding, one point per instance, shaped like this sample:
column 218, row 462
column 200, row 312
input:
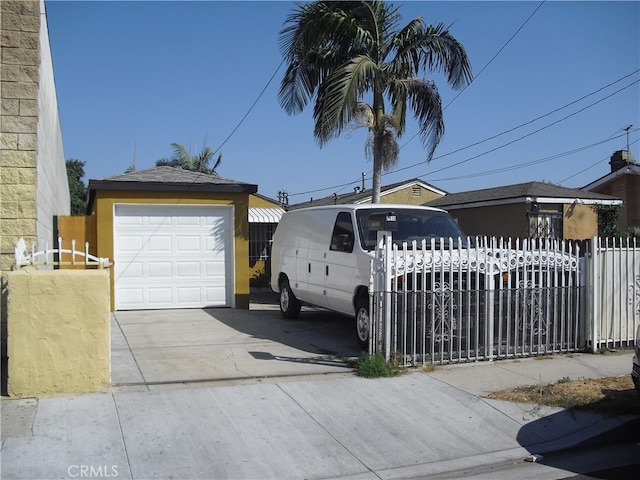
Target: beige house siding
column 410, row 195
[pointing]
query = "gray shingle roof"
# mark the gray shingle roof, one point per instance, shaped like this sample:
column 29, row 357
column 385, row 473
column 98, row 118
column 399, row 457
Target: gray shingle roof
column 170, row 178
column 518, row 191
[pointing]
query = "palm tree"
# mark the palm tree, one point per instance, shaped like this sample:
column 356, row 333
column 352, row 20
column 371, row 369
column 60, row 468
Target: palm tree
column 341, row 51
column 197, row 163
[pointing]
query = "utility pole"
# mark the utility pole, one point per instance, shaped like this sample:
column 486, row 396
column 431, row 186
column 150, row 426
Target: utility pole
column 283, row 198
column 627, row 128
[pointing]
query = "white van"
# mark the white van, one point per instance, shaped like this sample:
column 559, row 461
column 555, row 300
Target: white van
column 322, row 255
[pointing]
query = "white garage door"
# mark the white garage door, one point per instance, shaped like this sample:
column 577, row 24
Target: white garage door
column 169, row 256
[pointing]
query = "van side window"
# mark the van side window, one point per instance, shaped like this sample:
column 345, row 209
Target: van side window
column 342, row 237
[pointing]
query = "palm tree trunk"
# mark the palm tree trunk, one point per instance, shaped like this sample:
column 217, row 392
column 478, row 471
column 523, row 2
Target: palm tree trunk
column 377, row 177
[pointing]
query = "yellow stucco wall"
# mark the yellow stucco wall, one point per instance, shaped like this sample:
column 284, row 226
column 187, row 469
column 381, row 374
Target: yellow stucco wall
column 260, row 202
column 580, row 222
column 58, row 332
column 103, row 208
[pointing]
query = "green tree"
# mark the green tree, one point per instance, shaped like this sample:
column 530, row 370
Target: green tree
column 77, row 189
column 197, row 163
column 608, row 216
column 356, row 60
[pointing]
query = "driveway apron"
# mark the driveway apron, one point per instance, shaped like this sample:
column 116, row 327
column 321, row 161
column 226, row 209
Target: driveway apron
column 163, row 347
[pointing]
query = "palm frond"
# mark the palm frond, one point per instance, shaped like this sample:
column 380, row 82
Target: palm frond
column 427, row 105
column 339, row 94
column 442, row 52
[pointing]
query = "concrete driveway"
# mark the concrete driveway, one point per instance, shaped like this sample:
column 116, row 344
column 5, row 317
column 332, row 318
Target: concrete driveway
column 164, row 347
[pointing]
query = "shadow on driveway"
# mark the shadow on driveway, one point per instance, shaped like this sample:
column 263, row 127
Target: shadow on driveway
column 227, row 345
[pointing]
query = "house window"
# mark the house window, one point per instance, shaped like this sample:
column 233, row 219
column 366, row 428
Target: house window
column 416, row 192
column 545, row 225
column 260, row 236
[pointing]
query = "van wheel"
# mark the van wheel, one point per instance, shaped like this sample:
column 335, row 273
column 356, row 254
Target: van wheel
column 289, row 304
column 363, row 324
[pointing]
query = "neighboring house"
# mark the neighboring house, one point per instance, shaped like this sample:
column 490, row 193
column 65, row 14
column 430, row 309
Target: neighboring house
column 33, row 178
column 179, row 239
column 409, row 192
column 264, row 215
column 533, row 209
column 623, row 182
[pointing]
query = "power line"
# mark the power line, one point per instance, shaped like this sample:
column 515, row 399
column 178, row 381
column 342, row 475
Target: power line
column 539, row 117
column 498, row 135
column 250, row 108
column 526, row 164
column 485, row 66
column 596, row 163
column 519, row 138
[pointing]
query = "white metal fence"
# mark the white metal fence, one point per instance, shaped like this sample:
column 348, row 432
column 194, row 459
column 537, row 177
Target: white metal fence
column 613, row 306
column 467, row 300
column 55, row 257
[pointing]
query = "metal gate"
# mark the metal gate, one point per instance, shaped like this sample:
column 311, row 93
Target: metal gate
column 613, row 307
column 448, row 300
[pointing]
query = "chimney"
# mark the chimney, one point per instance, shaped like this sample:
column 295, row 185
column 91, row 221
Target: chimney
column 621, row 159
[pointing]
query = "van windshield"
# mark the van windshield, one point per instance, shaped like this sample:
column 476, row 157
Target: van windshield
column 411, row 224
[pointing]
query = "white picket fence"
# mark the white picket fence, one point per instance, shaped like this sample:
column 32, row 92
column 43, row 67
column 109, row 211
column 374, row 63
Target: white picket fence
column 479, row 299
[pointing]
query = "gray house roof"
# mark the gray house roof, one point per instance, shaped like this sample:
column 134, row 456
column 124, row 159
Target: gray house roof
column 364, row 196
column 539, row 192
column 169, row 179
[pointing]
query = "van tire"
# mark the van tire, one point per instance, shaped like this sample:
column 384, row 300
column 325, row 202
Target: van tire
column 289, row 304
column 363, row 323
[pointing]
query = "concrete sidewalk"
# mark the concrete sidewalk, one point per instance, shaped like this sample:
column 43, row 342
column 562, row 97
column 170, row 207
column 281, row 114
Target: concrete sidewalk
column 415, row 425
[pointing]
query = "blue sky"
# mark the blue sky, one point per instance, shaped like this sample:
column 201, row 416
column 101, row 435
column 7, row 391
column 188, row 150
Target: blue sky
column 549, row 104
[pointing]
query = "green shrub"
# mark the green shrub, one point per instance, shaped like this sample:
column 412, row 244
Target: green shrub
column 374, row 366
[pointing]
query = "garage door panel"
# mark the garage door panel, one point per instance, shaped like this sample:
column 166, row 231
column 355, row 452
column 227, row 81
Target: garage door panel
column 129, row 220
column 214, row 269
column 131, row 243
column 186, row 220
column 189, row 294
column 188, row 244
column 159, row 297
column 130, row 296
column 159, row 244
column 132, row 270
column 157, row 221
column 188, row 270
column 172, row 257
column 160, row 269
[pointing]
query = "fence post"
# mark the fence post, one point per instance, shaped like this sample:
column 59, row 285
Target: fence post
column 490, row 286
column 593, row 312
column 385, row 242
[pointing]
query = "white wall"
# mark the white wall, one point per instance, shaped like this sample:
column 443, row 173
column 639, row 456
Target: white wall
column 52, row 185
